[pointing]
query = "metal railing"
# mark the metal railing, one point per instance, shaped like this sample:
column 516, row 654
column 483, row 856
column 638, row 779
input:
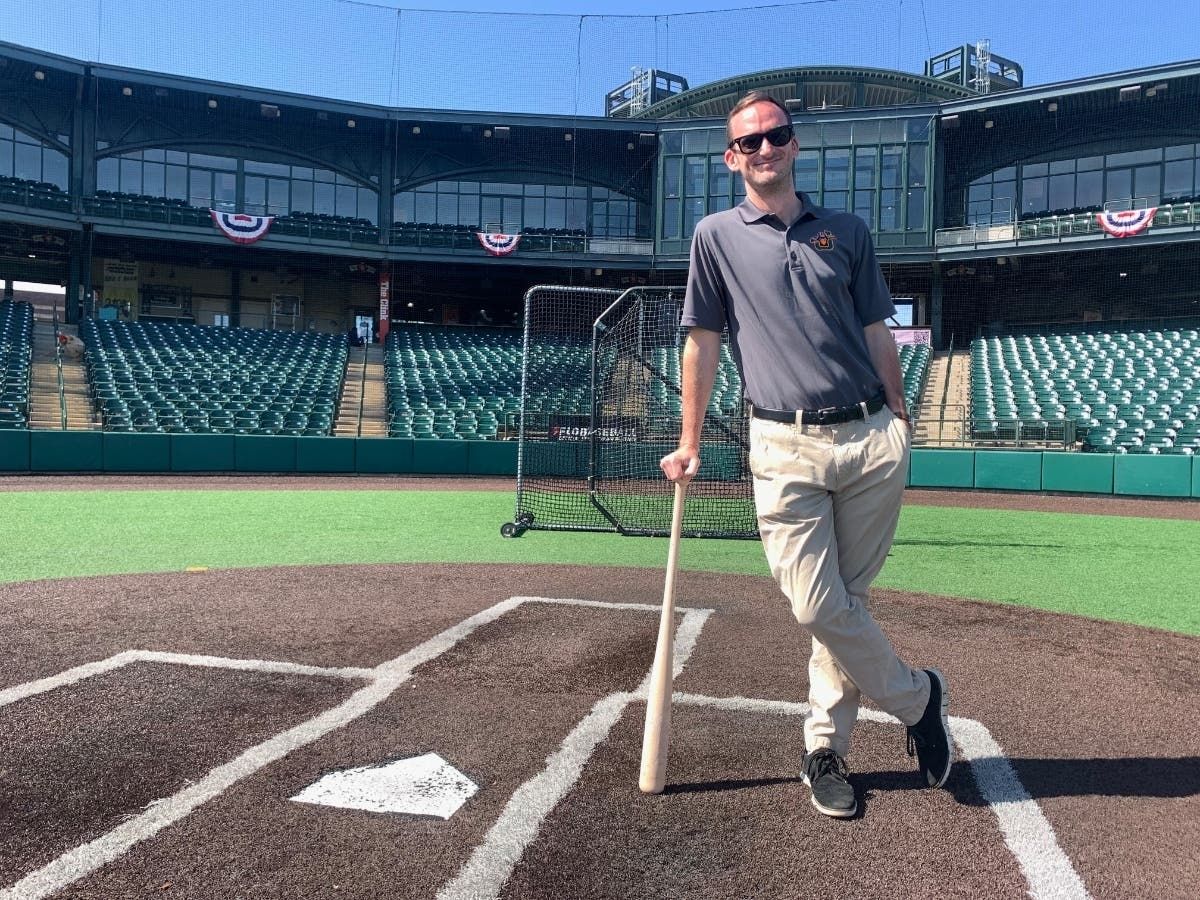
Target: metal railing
column 1058, row 227
column 62, row 385
column 951, row 425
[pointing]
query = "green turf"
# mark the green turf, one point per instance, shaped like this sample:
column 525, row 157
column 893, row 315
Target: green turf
column 1125, row 569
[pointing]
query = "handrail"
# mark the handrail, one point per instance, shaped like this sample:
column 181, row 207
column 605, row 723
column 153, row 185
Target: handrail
column 62, row 390
column 362, row 386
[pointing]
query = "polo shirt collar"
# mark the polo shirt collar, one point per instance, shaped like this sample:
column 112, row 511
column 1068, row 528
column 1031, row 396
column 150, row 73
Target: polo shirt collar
column 751, row 213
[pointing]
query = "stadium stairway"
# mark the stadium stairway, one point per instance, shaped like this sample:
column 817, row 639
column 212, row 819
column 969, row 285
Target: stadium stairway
column 939, row 421
column 363, row 408
column 45, row 400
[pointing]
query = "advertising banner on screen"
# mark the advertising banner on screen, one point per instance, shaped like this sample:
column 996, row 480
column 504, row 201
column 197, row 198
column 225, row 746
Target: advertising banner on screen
column 905, row 336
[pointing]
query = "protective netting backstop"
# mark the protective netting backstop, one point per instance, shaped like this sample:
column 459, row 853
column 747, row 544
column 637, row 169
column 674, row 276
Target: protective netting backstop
column 601, row 405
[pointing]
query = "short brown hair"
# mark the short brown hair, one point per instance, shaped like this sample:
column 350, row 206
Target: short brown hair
column 749, row 100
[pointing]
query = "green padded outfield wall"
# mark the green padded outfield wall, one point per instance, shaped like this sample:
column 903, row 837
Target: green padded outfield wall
column 1153, row 476
column 14, row 450
column 1084, row 473
column 1010, row 470
column 23, row 451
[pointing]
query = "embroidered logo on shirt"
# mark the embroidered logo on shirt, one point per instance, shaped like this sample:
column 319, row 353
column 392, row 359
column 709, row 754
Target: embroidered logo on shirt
column 823, row 240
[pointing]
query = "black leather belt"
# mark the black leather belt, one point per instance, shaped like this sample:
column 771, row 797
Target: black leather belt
column 830, row 415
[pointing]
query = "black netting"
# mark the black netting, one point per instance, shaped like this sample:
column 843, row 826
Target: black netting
column 601, row 406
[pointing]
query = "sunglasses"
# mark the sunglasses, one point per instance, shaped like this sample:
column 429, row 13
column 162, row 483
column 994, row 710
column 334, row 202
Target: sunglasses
column 750, row 143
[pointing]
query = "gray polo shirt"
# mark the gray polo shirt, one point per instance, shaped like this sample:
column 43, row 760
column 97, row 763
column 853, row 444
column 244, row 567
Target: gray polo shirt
column 795, row 298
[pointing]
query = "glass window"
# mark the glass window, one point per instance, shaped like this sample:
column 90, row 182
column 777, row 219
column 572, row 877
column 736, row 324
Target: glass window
column 1181, row 151
column 671, row 179
column 225, row 193
column 836, row 133
column 1089, row 163
column 695, row 141
column 447, row 209
column 864, row 168
column 576, row 213
column 107, row 174
column 263, row 168
column 1008, row 174
column 323, row 199
column 27, row 162
column 177, row 183
column 278, row 201
column 672, row 142
column 556, row 190
column 917, row 154
column 1134, row 157
column 468, row 187
column 131, row 176
column 693, row 212
column 1061, row 192
column 693, row 178
column 977, row 192
column 468, row 209
column 916, row 210
column 556, row 212
column 1035, row 169
column 199, row 186
column 302, row 196
column 866, row 132
column 132, row 154
column 805, row 170
column 426, row 208
column 1118, row 184
column 1033, row 195
column 347, row 201
column 535, row 212
column 177, row 156
column 864, row 206
column 54, row 168
column 670, row 223
column 837, row 171
column 1177, row 178
column 492, row 211
column 739, row 187
column 1004, row 201
column 303, row 173
column 402, row 206
column 535, row 190
column 256, row 195
column 890, row 171
column 891, row 130
column 836, row 200
column 322, row 175
column 918, row 129
column 429, row 187
column 1147, row 183
column 889, row 210
column 1062, row 166
column 153, row 179
column 213, row 162
column 718, row 178
column 6, row 131
column 1089, row 189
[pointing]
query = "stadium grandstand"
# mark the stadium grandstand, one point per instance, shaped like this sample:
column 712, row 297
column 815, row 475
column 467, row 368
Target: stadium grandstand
column 248, row 261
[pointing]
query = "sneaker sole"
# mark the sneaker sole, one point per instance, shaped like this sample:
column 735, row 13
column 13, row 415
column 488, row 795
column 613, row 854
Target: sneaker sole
column 829, row 811
column 941, row 679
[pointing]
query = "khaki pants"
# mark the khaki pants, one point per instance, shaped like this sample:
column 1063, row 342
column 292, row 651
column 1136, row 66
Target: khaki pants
column 828, row 500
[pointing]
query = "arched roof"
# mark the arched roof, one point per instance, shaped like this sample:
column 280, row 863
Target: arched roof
column 815, row 87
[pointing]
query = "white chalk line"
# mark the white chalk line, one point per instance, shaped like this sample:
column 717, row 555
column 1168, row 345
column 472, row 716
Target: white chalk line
column 385, row 679
column 1027, row 834
column 493, row 861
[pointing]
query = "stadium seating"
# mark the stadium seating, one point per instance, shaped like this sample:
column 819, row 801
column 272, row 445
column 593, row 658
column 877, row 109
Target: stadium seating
column 163, row 377
column 42, row 194
column 1126, row 391
column 16, row 355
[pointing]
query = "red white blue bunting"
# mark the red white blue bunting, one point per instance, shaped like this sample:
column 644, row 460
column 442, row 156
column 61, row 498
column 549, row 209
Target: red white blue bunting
column 498, row 244
column 1126, row 222
column 240, row 228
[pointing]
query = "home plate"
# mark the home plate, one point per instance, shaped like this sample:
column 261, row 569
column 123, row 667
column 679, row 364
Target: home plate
column 420, row 785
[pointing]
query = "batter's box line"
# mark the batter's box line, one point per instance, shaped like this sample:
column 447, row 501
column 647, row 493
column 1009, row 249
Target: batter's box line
column 383, row 680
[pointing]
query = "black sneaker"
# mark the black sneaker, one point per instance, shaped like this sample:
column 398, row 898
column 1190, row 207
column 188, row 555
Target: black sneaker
column 825, row 772
column 929, row 739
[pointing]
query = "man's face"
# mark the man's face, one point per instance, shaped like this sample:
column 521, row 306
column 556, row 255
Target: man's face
column 771, row 166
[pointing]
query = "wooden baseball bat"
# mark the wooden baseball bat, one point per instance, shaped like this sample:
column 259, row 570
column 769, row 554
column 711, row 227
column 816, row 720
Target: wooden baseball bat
column 657, row 735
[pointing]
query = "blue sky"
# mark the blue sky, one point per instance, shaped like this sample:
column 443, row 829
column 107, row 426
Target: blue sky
column 539, row 56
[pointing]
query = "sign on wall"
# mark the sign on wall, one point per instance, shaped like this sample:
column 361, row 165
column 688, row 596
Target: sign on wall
column 121, row 282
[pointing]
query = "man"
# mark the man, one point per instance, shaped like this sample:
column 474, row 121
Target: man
column 805, row 303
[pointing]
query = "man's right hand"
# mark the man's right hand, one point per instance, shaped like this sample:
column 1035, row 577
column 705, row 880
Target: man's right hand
column 681, row 465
